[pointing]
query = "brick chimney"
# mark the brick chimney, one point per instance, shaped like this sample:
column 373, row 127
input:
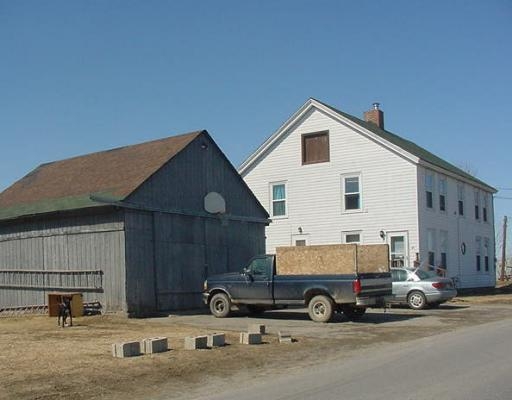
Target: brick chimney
column 375, row 116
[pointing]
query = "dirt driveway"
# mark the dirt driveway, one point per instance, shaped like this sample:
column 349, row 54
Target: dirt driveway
column 38, row 360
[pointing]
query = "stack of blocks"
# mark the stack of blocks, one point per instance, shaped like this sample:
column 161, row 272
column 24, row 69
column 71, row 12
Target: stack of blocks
column 216, row 340
column 154, row 345
column 196, row 342
column 285, row 337
column 126, row 349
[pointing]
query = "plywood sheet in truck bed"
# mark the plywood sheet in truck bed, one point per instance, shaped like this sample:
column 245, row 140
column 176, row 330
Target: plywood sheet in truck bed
column 372, row 258
column 316, row 260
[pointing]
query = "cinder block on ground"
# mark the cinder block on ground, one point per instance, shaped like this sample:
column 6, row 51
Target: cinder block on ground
column 285, row 337
column 216, row 340
column 154, row 345
column 196, row 342
column 126, row 349
column 256, row 328
column 250, row 338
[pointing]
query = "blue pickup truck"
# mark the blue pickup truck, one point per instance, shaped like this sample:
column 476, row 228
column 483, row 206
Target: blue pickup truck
column 259, row 288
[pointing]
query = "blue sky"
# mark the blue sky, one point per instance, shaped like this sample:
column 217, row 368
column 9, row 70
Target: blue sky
column 84, row 76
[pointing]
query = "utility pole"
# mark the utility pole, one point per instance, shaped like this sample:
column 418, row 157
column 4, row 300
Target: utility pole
column 504, row 249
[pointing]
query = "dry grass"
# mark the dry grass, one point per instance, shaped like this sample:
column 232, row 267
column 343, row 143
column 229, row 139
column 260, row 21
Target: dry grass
column 39, row 360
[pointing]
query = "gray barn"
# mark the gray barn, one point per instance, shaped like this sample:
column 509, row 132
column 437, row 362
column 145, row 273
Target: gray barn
column 136, row 228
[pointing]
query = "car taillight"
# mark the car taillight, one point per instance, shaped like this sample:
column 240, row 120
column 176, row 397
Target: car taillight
column 356, row 286
column 438, row 285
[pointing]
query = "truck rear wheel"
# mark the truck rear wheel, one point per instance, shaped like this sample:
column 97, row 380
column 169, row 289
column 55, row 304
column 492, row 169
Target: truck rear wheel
column 220, row 305
column 320, row 308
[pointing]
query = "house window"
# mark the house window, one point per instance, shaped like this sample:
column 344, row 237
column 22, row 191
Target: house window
column 278, row 201
column 429, row 189
column 431, row 246
column 478, row 243
column 315, row 148
column 460, row 194
column 443, row 248
column 486, row 254
column 484, row 207
column 351, row 193
column 352, row 237
column 300, row 242
column 477, row 204
column 442, row 194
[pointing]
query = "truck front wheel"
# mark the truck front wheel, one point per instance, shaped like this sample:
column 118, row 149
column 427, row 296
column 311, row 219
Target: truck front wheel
column 220, row 306
column 320, row 308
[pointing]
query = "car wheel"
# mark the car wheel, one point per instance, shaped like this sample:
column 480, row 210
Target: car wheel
column 416, row 300
column 320, row 308
column 354, row 313
column 220, row 305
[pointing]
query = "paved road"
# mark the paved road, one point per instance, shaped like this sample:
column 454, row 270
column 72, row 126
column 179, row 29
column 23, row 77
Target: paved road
column 472, row 363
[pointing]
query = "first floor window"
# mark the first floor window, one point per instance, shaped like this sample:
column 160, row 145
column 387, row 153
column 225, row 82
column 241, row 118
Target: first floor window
column 486, row 254
column 478, row 241
column 352, row 237
column 351, row 193
column 431, row 246
column 278, row 200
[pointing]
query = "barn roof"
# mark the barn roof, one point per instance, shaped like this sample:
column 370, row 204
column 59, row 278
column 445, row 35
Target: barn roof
column 76, row 182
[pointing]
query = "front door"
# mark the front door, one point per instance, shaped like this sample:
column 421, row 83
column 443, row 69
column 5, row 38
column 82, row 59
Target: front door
column 398, row 247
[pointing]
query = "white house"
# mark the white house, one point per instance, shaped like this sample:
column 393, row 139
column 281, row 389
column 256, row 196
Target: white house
column 328, row 177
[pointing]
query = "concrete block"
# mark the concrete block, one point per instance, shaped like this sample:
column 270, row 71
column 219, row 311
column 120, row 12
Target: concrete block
column 154, row 345
column 256, row 328
column 284, row 337
column 216, row 340
column 126, row 349
column 250, row 338
column 196, row 342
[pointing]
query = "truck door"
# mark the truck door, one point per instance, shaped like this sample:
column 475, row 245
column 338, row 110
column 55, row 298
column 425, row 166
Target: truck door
column 258, row 280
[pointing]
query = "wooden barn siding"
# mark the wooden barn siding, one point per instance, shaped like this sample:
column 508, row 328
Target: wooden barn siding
column 169, row 273
column 187, row 178
column 81, row 242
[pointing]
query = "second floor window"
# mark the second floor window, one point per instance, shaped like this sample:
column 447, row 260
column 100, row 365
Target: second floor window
column 484, row 207
column 315, row 148
column 429, row 189
column 351, row 193
column 460, row 194
column 477, row 204
column 442, row 194
column 278, row 202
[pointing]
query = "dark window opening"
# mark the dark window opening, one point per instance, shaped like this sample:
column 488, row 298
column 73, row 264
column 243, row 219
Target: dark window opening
column 442, row 202
column 477, row 212
column 443, row 260
column 431, row 258
column 486, row 263
column 430, row 202
column 478, row 267
column 300, row 242
column 484, row 214
column 315, row 148
column 461, row 207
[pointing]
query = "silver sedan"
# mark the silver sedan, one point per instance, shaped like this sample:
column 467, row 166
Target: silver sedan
column 418, row 288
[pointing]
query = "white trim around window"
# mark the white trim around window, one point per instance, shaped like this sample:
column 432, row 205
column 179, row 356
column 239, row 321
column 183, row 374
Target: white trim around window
column 278, row 207
column 351, row 193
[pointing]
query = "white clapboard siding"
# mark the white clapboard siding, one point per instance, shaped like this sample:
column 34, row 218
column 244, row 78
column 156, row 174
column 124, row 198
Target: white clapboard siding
column 314, row 192
column 393, row 196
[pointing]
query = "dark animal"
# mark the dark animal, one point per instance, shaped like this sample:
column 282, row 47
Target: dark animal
column 65, row 312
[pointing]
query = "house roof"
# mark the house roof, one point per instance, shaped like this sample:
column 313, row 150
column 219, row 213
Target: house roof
column 389, row 137
column 76, row 182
